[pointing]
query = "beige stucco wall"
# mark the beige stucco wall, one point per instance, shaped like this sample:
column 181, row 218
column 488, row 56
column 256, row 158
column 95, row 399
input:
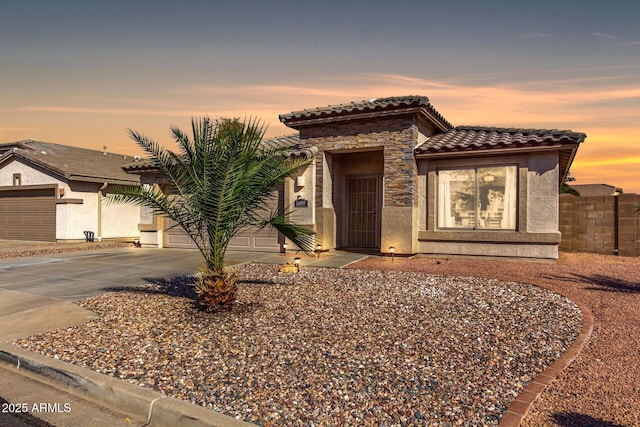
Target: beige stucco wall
column 302, row 215
column 30, row 176
column 72, row 219
column 528, row 250
column 543, row 193
column 119, row 220
column 399, row 230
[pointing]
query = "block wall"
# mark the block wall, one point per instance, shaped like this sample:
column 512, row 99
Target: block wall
column 603, row 224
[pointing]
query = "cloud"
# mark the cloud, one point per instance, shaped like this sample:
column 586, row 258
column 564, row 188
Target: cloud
column 634, row 43
column 543, row 102
column 86, row 110
column 605, row 36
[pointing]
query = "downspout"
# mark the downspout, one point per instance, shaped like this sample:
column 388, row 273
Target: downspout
column 100, row 195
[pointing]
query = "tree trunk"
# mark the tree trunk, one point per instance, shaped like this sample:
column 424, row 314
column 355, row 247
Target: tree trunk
column 216, row 290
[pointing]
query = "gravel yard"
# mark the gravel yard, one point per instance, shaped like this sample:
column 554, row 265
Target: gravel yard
column 333, row 347
column 16, row 248
column 602, row 386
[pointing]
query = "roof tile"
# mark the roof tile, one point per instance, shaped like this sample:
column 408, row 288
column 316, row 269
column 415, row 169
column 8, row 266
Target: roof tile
column 468, row 138
column 367, row 106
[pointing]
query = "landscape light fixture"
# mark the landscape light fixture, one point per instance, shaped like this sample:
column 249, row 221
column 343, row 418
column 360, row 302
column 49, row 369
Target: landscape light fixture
column 296, row 262
column 284, row 247
column 392, row 250
column 318, row 249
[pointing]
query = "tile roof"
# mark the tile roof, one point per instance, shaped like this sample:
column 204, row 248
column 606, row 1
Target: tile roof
column 471, row 138
column 379, row 106
column 72, row 163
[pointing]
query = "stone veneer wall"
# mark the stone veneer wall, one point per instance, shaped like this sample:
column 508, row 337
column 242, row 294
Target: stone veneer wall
column 600, row 224
column 397, row 135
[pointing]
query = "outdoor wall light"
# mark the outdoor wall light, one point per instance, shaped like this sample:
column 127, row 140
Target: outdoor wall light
column 300, row 181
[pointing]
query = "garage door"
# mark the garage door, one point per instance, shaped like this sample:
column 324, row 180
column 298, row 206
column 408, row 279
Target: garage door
column 28, row 214
column 265, row 240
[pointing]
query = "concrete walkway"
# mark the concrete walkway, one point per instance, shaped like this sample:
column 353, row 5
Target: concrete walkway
column 35, row 297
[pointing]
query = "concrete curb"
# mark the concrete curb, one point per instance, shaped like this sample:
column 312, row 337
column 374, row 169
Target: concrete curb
column 516, row 412
column 158, row 409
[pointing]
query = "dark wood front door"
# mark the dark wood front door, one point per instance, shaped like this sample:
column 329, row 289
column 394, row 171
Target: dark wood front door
column 364, row 203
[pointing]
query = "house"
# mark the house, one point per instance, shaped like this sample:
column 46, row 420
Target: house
column 392, row 174
column 589, row 190
column 53, row 192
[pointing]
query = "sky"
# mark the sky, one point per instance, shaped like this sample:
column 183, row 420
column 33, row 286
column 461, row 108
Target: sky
column 83, row 72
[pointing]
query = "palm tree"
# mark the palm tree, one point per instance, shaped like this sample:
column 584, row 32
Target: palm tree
column 221, row 182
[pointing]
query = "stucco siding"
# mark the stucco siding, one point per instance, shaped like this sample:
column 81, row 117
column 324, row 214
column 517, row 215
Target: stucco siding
column 119, row 220
column 528, row 250
column 72, row 219
column 543, row 193
column 301, row 215
column 29, row 175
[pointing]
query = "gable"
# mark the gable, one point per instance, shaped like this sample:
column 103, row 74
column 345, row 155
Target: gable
column 30, row 174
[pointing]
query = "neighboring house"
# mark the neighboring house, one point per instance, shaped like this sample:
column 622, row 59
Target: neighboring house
column 394, row 173
column 589, row 190
column 53, row 192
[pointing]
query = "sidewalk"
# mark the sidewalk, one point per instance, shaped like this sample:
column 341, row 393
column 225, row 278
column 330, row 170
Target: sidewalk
column 75, row 396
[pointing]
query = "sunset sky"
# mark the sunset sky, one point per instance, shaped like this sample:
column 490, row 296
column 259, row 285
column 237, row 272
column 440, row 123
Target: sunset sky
column 82, row 72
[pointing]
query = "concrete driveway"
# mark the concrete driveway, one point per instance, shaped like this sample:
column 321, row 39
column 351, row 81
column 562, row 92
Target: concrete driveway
column 79, row 275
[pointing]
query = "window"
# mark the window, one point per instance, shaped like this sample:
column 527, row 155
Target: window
column 478, row 198
column 17, row 179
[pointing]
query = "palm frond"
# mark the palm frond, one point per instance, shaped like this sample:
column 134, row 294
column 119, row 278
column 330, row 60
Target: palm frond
column 222, row 179
column 300, row 236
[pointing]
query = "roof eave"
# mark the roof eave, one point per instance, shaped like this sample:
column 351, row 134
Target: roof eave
column 564, row 173
column 493, row 151
column 101, row 180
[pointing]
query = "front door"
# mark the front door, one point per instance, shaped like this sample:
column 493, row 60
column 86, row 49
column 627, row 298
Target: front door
column 364, row 203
